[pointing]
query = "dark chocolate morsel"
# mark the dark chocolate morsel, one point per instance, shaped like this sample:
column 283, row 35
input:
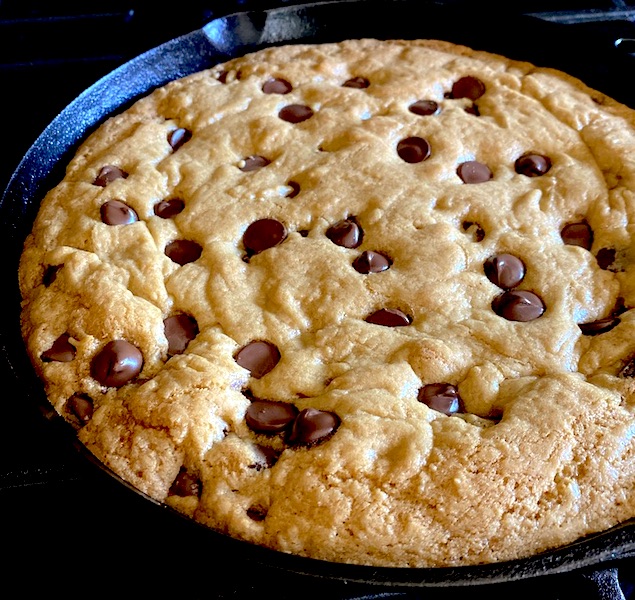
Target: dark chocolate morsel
column 413, row 149
column 474, row 229
column 518, row 305
column 628, row 370
column 258, row 357
column 312, row 426
column 599, row 326
column 577, row 234
column 605, row 258
column 108, row 174
column 167, row 209
column 50, row 274
column 532, row 165
column 424, row 107
column 257, row 512
column 117, row 363
column 61, row 350
column 180, row 330
column 468, row 87
column 178, row 137
column 371, row 262
column 357, row 82
column 346, row 233
column 263, row 234
column 183, row 251
column 473, row 171
column 276, row 86
column 295, row 189
column 442, row 397
column 253, row 163
column 116, row 212
column 389, row 317
column 265, row 457
column 268, row 416
column 505, row 270
column 473, row 110
column 81, row 406
column 295, row 113
column 185, row 484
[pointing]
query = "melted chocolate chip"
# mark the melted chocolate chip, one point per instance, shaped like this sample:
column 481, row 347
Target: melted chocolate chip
column 183, row 251
column 605, row 258
column 180, row 330
column 468, row 87
column 277, row 86
column 263, row 234
column 265, row 458
column 413, row 149
column 295, row 113
column 518, row 305
column 473, row 171
column 312, row 426
column 477, row 232
column 116, row 212
column 424, row 107
column 186, row 484
column 578, row 234
column 442, row 397
column 389, row 317
column 599, row 326
column 81, row 406
column 61, row 350
column 253, row 163
column 267, row 416
column 108, row 174
column 346, row 233
column 357, row 82
column 473, row 110
column 167, row 209
column 117, row 363
column 258, row 357
column 295, row 189
column 505, row 270
column 371, row 262
column 178, row 137
column 532, row 165
column 257, row 513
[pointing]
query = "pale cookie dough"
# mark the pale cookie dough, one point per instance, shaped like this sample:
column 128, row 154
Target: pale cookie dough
column 368, row 302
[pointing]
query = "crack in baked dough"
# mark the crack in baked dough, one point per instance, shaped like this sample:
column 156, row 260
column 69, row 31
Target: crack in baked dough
column 351, row 319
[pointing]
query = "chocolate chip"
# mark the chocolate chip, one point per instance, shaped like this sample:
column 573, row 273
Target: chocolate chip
column 599, row 326
column 50, row 274
column 532, row 165
column 389, row 317
column 81, row 406
column 357, row 82
column 258, row 357
column 473, row 171
column 468, row 87
column 178, row 137
column 117, row 363
column 61, row 350
column 116, row 212
column 442, row 397
column 518, row 305
column 473, row 110
column 108, row 174
column 474, row 229
column 263, row 234
column 371, row 262
column 628, row 370
column 605, row 258
column 257, row 513
column 253, row 163
column 295, row 189
column 180, row 330
column 183, row 251
column 276, row 86
column 267, row 416
column 312, row 426
column 424, row 107
column 346, row 233
column 185, row 484
column 265, row 457
column 504, row 270
column 413, row 149
column 578, row 234
column 167, row 209
column 295, row 113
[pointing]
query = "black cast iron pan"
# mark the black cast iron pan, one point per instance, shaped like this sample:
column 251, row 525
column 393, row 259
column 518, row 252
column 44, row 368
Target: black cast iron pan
column 597, row 63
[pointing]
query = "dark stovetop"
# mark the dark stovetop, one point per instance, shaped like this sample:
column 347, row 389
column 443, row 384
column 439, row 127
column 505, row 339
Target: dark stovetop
column 65, row 526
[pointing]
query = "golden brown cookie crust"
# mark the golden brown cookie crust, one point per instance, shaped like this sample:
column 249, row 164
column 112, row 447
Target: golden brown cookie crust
column 536, row 449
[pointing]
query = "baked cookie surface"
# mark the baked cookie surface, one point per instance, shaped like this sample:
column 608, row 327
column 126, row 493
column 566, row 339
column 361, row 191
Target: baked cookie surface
column 367, row 302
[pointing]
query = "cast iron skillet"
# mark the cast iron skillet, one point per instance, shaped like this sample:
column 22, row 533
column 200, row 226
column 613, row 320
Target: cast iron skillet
column 523, row 38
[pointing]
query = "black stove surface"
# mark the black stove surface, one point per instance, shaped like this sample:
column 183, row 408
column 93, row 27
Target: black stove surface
column 67, row 527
